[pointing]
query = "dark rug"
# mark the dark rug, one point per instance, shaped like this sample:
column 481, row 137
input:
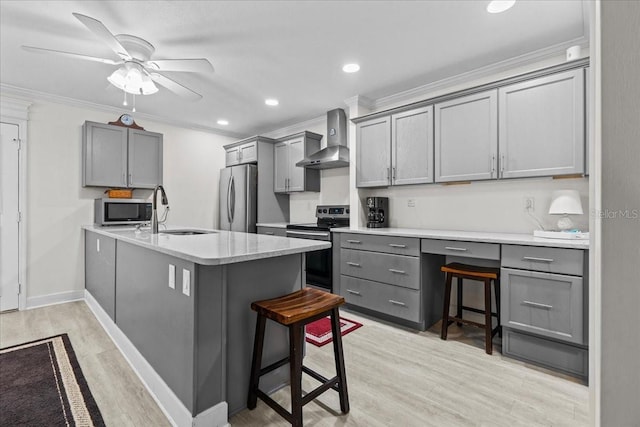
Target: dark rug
column 41, row 384
column 319, row 333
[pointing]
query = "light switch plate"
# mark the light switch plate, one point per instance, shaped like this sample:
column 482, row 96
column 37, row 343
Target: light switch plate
column 172, row 276
column 186, row 282
column 97, row 245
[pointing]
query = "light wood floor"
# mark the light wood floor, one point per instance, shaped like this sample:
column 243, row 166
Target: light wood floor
column 396, row 377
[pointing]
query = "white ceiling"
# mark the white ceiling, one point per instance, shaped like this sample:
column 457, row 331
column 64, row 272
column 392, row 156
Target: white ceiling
column 291, row 50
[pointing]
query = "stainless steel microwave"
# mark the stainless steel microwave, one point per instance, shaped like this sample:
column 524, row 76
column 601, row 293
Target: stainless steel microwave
column 121, row 211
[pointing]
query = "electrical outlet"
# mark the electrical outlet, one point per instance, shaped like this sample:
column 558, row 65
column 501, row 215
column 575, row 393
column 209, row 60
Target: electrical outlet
column 186, row 282
column 411, row 203
column 529, row 204
column 172, row 276
column 97, row 245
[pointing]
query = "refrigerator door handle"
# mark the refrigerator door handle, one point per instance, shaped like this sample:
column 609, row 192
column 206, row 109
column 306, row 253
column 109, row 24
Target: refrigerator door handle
column 229, row 200
column 232, row 192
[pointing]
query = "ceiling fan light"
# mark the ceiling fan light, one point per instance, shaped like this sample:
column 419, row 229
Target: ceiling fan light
column 147, row 87
column 118, row 78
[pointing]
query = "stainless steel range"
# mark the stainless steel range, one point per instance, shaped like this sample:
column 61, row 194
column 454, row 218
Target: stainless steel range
column 319, row 263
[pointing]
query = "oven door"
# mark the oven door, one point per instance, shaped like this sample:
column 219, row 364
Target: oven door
column 318, row 263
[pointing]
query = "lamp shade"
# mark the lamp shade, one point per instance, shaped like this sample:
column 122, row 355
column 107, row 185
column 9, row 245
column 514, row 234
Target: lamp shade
column 132, row 79
column 565, row 202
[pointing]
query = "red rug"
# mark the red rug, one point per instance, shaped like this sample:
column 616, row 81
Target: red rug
column 319, row 333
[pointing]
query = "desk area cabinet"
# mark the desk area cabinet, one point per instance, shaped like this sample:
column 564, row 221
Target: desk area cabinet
column 395, row 274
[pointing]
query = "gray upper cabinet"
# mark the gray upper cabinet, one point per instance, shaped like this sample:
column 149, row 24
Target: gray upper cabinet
column 288, row 151
column 246, row 152
column 466, row 138
column 541, row 126
column 115, row 156
column 412, row 146
column 373, row 153
column 396, row 149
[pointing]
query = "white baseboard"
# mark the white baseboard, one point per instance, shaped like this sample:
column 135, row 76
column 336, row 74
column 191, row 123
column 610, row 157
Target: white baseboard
column 171, row 406
column 52, row 299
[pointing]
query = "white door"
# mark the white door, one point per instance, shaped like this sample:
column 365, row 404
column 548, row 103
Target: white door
column 9, row 217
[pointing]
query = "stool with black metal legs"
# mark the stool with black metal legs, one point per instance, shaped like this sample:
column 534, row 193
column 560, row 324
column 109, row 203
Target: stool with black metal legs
column 472, row 272
column 295, row 310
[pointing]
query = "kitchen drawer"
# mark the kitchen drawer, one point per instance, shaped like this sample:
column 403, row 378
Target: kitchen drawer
column 392, row 300
column 388, row 244
column 550, row 260
column 397, row 270
column 551, row 354
column 272, row 231
column 461, row 249
column 543, row 304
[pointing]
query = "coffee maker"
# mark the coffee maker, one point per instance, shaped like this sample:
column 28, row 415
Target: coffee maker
column 377, row 212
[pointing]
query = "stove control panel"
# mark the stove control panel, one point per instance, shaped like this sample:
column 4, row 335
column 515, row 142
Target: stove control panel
column 333, row 211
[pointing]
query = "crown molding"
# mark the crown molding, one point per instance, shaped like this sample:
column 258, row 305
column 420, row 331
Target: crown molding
column 14, row 108
column 549, row 53
column 295, row 128
column 29, row 95
column 360, row 101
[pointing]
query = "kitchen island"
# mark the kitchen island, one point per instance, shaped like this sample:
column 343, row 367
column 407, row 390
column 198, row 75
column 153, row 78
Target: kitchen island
column 178, row 306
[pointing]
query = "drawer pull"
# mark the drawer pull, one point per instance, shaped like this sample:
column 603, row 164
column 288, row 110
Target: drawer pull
column 354, row 241
column 537, row 304
column 534, row 259
column 353, row 264
column 269, row 233
column 393, row 270
column 394, row 302
column 353, row 292
column 395, row 245
column 453, row 248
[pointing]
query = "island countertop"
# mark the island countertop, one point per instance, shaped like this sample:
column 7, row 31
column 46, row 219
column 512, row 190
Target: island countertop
column 216, row 248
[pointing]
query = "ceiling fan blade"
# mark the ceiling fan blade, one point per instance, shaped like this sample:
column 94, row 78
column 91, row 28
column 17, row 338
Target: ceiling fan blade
column 104, row 34
column 71, row 55
column 196, row 65
column 174, row 86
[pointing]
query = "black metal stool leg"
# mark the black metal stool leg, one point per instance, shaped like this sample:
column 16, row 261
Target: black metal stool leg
column 445, row 309
column 487, row 316
column 459, row 301
column 254, row 379
column 339, row 360
column 295, row 369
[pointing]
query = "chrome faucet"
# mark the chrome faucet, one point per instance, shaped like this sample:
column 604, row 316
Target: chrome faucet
column 154, row 207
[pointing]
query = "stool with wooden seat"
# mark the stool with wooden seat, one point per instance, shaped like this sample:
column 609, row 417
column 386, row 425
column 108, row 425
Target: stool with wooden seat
column 472, row 272
column 294, row 311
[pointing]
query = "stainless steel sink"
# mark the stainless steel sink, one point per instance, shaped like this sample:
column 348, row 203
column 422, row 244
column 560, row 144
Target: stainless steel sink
column 187, row 232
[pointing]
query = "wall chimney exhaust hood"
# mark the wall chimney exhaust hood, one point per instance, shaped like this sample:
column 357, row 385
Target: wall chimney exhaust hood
column 336, row 154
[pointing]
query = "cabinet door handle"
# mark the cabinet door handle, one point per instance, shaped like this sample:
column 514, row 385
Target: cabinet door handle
column 453, row 248
column 394, row 173
column 396, row 245
column 353, row 264
column 493, row 165
column 537, row 304
column 354, row 241
column 130, row 179
column 393, row 270
column 535, row 259
column 353, row 292
column 240, row 155
column 502, row 166
column 394, row 302
column 124, row 179
column 269, row 233
column 387, row 174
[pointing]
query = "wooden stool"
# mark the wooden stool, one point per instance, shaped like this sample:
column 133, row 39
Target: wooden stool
column 294, row 311
column 483, row 274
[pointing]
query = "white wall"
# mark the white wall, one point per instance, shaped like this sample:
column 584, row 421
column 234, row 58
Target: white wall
column 58, row 205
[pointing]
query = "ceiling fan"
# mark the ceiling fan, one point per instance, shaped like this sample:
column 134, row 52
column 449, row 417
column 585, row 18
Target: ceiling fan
column 137, row 72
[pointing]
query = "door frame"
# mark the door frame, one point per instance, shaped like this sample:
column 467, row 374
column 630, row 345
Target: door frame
column 16, row 112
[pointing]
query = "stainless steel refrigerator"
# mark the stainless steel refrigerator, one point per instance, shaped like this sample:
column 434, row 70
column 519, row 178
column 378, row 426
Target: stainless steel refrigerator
column 238, row 198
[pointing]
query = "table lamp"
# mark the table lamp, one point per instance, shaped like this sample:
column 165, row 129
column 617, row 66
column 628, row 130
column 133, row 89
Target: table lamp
column 564, row 202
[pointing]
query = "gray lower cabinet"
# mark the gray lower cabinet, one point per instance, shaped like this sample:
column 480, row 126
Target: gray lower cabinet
column 288, row 151
column 100, row 270
column 272, row 231
column 541, row 126
column 544, row 308
column 387, row 276
column 396, row 149
column 116, row 156
column 466, row 138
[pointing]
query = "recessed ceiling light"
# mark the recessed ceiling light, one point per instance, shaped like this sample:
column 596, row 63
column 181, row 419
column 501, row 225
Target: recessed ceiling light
column 223, row 122
column 271, row 101
column 498, row 6
column 351, row 68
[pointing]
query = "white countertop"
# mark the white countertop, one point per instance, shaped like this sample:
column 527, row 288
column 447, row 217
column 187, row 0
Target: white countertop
column 469, row 236
column 220, row 247
column 274, row 224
